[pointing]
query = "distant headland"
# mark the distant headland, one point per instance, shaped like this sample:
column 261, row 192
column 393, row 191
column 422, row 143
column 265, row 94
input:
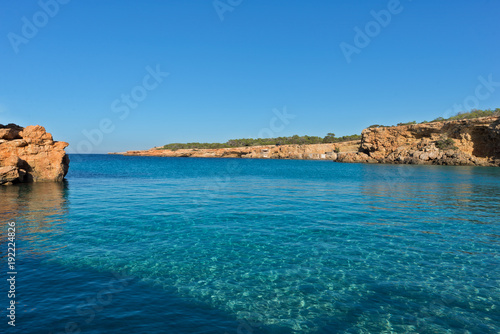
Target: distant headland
column 467, row 139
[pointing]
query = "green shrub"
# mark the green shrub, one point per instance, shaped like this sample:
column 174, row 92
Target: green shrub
column 439, row 119
column 446, row 144
column 408, row 123
column 474, row 113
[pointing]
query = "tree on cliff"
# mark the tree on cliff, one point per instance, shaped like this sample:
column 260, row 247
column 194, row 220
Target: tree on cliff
column 329, row 138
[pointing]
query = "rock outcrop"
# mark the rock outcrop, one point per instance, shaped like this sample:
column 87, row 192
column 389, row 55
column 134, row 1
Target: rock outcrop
column 30, row 155
column 472, row 142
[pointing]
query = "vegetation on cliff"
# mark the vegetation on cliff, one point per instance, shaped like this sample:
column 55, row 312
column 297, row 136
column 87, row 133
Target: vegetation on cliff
column 474, row 113
column 329, row 138
column 296, row 139
column 446, row 144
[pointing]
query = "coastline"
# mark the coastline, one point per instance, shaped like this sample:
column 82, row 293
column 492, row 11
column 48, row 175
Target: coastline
column 467, row 142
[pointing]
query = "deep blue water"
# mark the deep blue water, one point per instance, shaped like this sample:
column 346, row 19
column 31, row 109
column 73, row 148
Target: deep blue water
column 177, row 245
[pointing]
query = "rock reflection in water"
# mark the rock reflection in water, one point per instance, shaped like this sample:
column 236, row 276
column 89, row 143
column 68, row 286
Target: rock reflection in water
column 39, row 210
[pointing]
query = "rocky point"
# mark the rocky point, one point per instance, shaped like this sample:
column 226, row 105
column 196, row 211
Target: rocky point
column 467, row 142
column 30, row 155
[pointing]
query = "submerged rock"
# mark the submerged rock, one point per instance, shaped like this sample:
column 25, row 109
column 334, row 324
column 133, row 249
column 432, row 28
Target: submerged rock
column 31, row 155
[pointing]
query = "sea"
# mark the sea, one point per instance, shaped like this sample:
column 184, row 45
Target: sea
column 191, row 245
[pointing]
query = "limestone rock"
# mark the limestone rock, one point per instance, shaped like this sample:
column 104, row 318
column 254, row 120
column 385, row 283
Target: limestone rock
column 474, row 142
column 31, row 154
column 11, row 174
column 10, row 132
column 310, row 152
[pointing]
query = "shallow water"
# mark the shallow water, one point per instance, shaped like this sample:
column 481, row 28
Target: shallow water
column 156, row 245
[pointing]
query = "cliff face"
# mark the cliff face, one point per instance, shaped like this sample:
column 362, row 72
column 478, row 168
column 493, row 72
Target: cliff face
column 30, row 155
column 461, row 142
column 315, row 151
column 474, row 142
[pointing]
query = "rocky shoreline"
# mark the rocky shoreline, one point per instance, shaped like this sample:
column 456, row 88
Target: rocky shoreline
column 468, row 142
column 30, row 155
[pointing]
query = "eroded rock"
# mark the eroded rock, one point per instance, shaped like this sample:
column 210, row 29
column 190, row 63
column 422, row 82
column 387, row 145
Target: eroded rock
column 11, row 174
column 31, row 155
column 471, row 142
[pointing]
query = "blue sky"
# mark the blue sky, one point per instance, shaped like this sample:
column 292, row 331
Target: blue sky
column 83, row 69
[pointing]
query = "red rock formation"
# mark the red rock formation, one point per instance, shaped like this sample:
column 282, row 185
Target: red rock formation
column 461, row 142
column 30, row 155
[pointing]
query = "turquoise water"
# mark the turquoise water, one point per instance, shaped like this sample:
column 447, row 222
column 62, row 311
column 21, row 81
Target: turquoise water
column 173, row 245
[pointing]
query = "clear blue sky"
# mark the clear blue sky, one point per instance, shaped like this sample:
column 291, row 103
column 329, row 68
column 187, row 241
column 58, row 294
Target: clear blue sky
column 226, row 76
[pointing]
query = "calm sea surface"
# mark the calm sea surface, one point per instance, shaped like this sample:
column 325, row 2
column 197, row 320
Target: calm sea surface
column 173, row 245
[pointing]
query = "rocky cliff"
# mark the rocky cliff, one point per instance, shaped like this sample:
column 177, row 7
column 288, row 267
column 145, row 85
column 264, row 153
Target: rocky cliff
column 30, row 155
column 474, row 142
column 314, row 151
